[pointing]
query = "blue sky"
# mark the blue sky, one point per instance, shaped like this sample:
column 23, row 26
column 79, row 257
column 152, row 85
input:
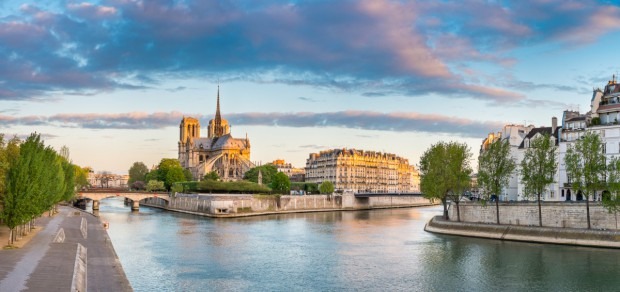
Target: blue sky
column 111, row 79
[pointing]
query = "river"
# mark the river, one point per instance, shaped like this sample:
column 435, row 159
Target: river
column 379, row 250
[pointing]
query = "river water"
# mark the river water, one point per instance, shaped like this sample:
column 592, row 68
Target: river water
column 379, row 250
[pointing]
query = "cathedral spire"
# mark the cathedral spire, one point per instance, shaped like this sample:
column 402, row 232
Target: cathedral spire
column 218, row 117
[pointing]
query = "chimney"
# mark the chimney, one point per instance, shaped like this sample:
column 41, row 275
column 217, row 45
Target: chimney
column 554, row 125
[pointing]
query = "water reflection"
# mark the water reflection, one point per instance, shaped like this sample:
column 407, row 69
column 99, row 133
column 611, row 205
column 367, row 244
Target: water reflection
column 367, row 250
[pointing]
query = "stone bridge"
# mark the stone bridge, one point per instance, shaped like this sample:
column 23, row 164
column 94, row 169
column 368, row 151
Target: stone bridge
column 135, row 197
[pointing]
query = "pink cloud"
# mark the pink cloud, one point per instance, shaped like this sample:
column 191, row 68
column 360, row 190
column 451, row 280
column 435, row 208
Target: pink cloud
column 604, row 20
column 92, row 11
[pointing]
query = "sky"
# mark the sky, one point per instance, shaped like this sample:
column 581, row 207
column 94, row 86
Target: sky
column 112, row 79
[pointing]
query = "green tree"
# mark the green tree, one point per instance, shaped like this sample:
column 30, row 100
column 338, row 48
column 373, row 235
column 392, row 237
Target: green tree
column 267, row 170
column 9, row 153
column 611, row 201
column 137, row 172
column 211, row 175
column 538, row 168
column 70, row 180
column 188, row 175
column 280, row 183
column 35, row 182
column 172, row 176
column 81, row 177
column 152, row 175
column 586, row 167
column 326, row 187
column 445, row 173
column 495, row 166
column 155, row 185
column 173, row 166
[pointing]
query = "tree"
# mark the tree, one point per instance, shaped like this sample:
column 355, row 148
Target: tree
column 280, row 183
column 326, row 187
column 9, row 153
column 611, row 201
column 174, row 175
column 104, row 178
column 585, row 166
column 188, row 175
column 137, row 172
column 173, row 166
column 152, row 175
column 211, row 175
column 155, row 185
column 267, row 170
column 538, row 168
column 445, row 173
column 495, row 166
column 138, row 185
column 35, row 182
column 81, row 177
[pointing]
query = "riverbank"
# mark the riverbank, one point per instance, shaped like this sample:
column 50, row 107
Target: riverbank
column 552, row 235
column 237, row 215
column 71, row 252
column 233, row 206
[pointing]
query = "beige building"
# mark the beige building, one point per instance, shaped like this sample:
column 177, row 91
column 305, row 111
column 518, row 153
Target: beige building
column 362, row 171
column 218, row 152
column 295, row 174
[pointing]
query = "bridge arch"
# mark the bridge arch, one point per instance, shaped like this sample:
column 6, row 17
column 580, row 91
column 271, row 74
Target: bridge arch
column 135, row 197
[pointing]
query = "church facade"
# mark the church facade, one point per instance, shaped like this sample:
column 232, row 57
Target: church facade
column 218, row 152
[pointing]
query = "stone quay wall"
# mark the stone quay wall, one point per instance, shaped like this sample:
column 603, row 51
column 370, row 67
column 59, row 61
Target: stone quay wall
column 226, row 205
column 553, row 235
column 554, row 214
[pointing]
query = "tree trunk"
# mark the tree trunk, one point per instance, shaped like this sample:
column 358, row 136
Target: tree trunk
column 588, row 211
column 497, row 209
column 445, row 209
column 458, row 212
column 11, row 236
column 539, row 212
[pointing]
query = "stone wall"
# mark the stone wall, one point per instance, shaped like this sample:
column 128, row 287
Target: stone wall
column 554, row 214
column 224, row 204
column 397, row 200
column 569, row 236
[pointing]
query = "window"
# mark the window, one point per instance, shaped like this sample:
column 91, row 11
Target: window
column 552, row 194
column 602, row 133
column 604, row 148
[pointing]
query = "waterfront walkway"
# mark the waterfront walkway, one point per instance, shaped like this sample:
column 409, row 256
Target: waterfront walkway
column 71, row 252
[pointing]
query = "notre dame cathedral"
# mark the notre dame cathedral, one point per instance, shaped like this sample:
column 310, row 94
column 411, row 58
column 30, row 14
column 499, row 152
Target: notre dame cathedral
column 219, row 151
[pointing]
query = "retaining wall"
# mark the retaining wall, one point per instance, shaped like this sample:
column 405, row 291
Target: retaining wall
column 226, row 205
column 554, row 235
column 554, row 214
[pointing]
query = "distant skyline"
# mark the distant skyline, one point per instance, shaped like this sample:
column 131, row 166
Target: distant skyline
column 111, row 79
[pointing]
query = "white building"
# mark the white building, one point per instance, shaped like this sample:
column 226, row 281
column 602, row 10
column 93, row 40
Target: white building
column 515, row 135
column 551, row 192
column 604, row 120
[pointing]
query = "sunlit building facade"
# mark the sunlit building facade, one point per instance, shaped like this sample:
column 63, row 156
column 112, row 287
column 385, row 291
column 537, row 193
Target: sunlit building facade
column 362, row 171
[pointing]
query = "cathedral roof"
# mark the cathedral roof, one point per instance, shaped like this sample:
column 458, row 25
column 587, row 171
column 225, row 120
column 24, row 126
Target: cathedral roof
column 227, row 141
column 216, row 143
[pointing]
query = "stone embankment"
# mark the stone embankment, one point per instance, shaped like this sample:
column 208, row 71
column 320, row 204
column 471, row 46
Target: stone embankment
column 226, row 205
column 553, row 235
column 554, row 214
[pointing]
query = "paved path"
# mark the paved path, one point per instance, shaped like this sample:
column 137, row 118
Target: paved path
column 45, row 265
